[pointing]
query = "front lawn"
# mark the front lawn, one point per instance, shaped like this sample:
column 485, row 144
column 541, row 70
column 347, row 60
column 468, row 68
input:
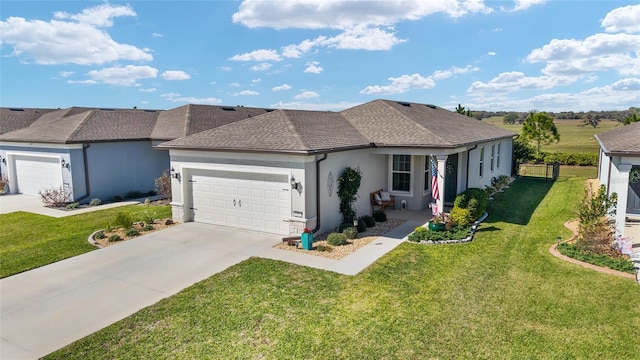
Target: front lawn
column 30, row 240
column 501, row 296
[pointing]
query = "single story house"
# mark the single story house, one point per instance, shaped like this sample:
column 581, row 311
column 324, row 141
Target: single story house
column 99, row 153
column 18, row 118
column 278, row 172
column 619, row 170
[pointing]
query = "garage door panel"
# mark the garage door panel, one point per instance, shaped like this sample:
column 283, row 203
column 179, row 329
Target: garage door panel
column 35, row 173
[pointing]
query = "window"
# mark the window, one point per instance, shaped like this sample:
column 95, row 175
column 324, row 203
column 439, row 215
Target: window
column 498, row 159
column 427, row 173
column 401, row 173
column 493, row 154
column 481, row 161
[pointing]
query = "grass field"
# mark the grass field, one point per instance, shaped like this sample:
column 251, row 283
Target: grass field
column 501, row 296
column 573, row 138
column 30, row 240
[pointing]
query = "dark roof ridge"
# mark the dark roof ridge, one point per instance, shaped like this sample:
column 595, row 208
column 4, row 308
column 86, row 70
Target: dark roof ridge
column 292, row 129
column 387, row 102
column 81, row 124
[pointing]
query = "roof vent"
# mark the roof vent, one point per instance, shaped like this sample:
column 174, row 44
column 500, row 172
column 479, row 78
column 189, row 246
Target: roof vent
column 149, row 111
column 107, row 109
column 16, row 109
column 269, row 110
column 431, row 106
column 228, row 108
column 404, row 103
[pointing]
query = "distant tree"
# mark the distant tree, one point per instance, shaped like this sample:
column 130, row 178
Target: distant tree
column 510, row 118
column 592, row 118
column 539, row 128
column 461, row 110
column 631, row 118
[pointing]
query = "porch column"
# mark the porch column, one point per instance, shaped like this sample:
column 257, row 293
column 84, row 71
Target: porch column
column 442, row 170
column 621, row 187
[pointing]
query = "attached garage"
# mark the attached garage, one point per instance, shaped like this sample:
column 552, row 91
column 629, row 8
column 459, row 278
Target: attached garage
column 252, row 201
column 34, row 173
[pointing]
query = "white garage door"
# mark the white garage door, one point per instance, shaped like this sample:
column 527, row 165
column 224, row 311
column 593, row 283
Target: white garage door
column 34, row 173
column 251, row 201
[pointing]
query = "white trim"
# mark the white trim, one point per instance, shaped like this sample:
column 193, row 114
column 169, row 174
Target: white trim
column 418, row 151
column 242, row 156
column 411, row 178
column 41, row 145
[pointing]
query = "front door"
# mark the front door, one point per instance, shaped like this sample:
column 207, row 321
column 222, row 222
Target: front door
column 451, row 179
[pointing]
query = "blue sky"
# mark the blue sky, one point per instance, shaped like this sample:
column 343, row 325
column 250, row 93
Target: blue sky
column 321, row 54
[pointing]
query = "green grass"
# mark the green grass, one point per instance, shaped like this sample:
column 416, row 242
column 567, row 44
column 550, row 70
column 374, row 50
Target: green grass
column 501, row 296
column 30, row 240
column 573, row 138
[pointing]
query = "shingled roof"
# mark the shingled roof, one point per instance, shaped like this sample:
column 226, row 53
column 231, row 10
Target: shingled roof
column 17, row 118
column 624, row 140
column 380, row 123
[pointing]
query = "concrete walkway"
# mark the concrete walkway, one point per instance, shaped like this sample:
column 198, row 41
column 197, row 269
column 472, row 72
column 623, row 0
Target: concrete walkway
column 50, row 307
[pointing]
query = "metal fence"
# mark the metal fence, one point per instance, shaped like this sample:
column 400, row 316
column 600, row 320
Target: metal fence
column 546, row 172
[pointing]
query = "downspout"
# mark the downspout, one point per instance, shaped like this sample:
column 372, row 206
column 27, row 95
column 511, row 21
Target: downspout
column 468, row 161
column 86, row 173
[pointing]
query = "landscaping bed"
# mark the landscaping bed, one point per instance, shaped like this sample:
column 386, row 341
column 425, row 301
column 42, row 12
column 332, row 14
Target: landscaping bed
column 120, row 234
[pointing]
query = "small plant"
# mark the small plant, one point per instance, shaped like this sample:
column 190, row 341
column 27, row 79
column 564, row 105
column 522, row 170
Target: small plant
column 350, row 232
column 362, row 227
column 56, row 197
column 108, row 226
column 348, row 185
column 344, row 226
column 368, row 220
column 455, row 233
column 4, row 184
column 124, row 220
column 573, row 251
column 323, row 248
column 163, row 184
column 634, row 175
column 147, row 227
column 148, row 218
column 99, row 235
column 72, row 206
column 131, row 232
column 114, row 238
column 95, row 202
column 147, row 202
column 337, row 239
column 379, row 216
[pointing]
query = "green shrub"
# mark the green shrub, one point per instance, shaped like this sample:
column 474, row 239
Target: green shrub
column 362, row 227
column 350, row 232
column 99, row 235
column 368, row 220
column 344, row 226
column 481, row 197
column 148, row 227
column 379, row 216
column 461, row 216
column 114, row 237
column 574, row 252
column 148, row 218
column 95, row 202
column 131, row 232
column 580, row 159
column 71, row 206
column 337, row 239
column 124, row 220
column 323, row 248
column 455, row 233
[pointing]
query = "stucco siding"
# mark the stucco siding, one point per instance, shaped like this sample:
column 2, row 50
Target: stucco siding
column 475, row 180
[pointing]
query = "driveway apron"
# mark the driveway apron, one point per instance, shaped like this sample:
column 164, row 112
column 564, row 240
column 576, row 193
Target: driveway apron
column 47, row 308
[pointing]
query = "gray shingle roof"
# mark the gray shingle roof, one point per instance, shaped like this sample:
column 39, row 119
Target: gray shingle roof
column 17, row 118
column 624, row 140
column 379, row 122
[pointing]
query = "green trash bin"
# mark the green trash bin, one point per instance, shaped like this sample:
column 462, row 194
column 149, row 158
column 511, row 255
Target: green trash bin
column 307, row 241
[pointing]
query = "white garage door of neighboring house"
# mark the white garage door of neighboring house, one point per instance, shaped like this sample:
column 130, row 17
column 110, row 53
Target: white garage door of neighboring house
column 253, row 201
column 34, row 173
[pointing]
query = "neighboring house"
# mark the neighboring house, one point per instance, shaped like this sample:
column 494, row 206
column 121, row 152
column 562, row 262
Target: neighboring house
column 278, row 172
column 620, row 157
column 101, row 153
column 18, row 118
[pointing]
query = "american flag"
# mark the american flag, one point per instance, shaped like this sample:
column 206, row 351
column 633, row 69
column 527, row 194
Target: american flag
column 435, row 193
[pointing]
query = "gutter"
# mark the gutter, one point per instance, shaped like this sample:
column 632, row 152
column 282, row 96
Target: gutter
column 86, row 173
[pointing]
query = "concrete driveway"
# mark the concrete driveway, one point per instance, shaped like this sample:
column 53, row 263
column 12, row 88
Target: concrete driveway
column 47, row 308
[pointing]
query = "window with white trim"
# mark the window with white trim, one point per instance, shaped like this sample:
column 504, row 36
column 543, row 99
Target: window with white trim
column 481, row 161
column 493, row 154
column 427, row 173
column 498, row 158
column 401, row 173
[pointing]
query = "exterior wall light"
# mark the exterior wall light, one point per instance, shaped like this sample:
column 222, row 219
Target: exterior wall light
column 65, row 164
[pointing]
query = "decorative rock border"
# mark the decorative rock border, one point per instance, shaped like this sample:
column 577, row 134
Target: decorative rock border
column 554, row 251
column 474, row 227
column 92, row 240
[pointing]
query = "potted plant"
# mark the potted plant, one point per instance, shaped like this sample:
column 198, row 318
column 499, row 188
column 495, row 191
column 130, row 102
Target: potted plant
column 438, row 223
column 307, row 239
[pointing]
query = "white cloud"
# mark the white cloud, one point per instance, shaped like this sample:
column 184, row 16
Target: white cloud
column 175, row 75
column 261, row 67
column 123, row 76
column 364, row 38
column 491, row 53
column 257, row 55
column 515, row 81
column 599, row 52
column 234, row 84
column 625, row 19
column 246, row 93
column 83, row 82
column 65, row 74
column 306, row 95
column 81, row 40
column 148, row 90
column 405, row 83
column 255, row 81
column 156, row 35
column 525, row 4
column 297, row 105
column 224, row 68
column 312, row 67
column 173, row 97
column 282, row 87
